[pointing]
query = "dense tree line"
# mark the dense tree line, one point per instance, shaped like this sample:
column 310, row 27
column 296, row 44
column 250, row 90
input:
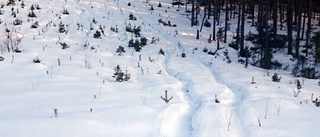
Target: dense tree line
column 297, row 18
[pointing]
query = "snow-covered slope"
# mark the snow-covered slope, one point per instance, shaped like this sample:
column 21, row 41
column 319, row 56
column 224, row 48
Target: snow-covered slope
column 78, row 81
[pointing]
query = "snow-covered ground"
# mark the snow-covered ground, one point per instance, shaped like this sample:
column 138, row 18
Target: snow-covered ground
column 89, row 101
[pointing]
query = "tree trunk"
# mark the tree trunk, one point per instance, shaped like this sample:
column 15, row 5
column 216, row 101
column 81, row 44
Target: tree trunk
column 281, row 14
column 297, row 46
column 267, row 56
column 214, row 20
column 197, row 12
column 260, row 11
column 317, row 48
column 252, row 12
column 226, row 23
column 295, row 22
column 234, row 9
column 242, row 25
column 309, row 25
column 289, row 25
column 218, row 8
column 231, row 9
column 209, row 9
column 304, row 19
column 238, row 25
column 192, row 14
column 275, row 17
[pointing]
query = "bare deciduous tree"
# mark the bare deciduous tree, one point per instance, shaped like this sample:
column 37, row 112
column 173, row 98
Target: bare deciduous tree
column 10, row 41
column 229, row 119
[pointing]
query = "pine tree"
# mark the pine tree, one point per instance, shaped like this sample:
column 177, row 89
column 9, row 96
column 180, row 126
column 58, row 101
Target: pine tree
column 97, row 34
column 61, row 28
column 120, row 50
column 119, row 75
column 137, row 46
column 143, row 41
column 219, row 37
column 11, row 2
column 161, row 51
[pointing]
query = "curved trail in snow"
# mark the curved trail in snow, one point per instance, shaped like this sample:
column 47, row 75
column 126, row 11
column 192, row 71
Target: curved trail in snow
column 196, row 114
column 202, row 85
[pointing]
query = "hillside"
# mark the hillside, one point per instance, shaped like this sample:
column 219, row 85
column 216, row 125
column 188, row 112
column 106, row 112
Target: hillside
column 212, row 95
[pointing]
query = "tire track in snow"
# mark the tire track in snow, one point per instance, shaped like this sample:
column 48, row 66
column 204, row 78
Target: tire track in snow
column 175, row 120
column 191, row 105
column 198, row 115
column 235, row 103
column 204, row 117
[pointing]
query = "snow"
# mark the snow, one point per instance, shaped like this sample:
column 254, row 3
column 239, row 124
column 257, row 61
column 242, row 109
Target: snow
column 29, row 92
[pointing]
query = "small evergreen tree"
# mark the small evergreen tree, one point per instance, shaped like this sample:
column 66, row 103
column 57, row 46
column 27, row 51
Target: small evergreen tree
column 22, row 4
column 120, row 50
column 136, row 31
column 131, row 17
column 32, row 14
column 128, row 28
column 11, row 2
column 36, row 60
column 130, row 44
column 64, row 45
column 137, row 46
column 65, row 11
column 35, row 25
column 161, row 51
column 276, row 78
column 143, row 41
column 38, row 7
column 97, row 34
column 114, row 29
column 32, row 7
column 220, row 33
column 299, row 85
column 183, row 55
column 94, row 21
column 61, row 28
column 219, row 37
column 119, row 75
column 17, row 22
column 205, row 49
column 207, row 24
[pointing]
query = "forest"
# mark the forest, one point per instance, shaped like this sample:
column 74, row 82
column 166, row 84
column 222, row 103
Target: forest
column 287, row 25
